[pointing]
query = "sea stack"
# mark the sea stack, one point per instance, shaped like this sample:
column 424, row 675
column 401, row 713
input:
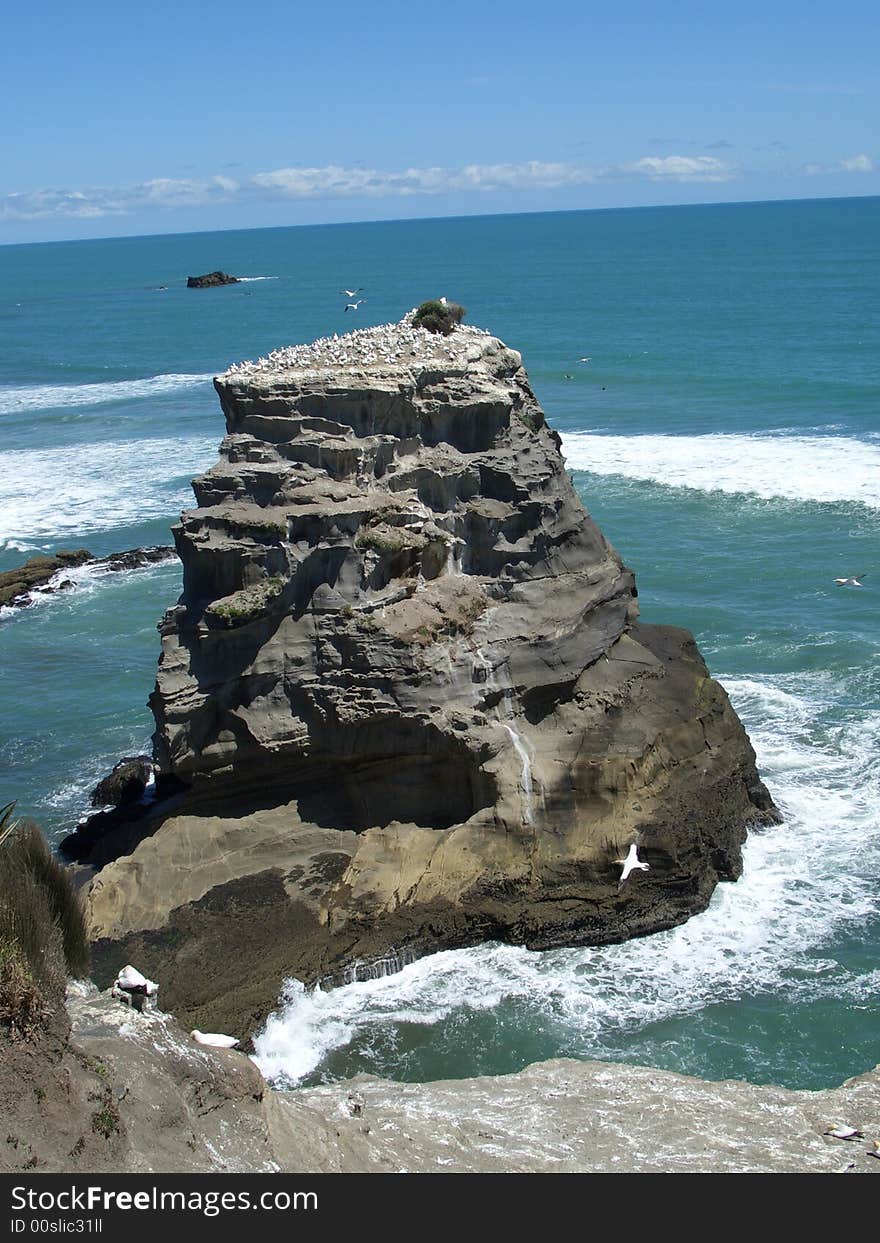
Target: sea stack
column 408, row 693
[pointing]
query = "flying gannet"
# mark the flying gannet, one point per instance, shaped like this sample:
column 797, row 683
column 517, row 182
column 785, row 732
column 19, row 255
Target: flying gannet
column 352, row 293
column 631, row 863
column 353, row 306
column 854, row 580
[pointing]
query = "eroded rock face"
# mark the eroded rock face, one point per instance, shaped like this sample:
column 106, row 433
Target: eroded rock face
column 403, row 646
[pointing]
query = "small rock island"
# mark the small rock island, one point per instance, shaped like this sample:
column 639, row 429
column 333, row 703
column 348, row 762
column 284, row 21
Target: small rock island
column 211, row 279
column 406, row 700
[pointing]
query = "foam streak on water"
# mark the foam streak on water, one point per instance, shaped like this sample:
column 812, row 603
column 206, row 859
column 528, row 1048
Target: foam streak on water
column 798, row 468
column 804, row 882
column 55, row 396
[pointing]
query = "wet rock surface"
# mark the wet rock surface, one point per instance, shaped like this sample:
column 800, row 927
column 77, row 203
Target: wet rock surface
column 110, row 1089
column 402, row 643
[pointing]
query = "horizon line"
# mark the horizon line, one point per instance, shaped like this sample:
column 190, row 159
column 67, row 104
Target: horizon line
column 337, row 224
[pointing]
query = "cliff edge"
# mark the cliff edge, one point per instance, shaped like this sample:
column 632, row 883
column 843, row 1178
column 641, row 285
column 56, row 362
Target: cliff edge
column 408, row 695
column 127, row 1093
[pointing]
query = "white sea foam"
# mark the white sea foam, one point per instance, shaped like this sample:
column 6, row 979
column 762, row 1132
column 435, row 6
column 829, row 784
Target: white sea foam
column 246, row 280
column 17, row 545
column 61, row 492
column 54, row 396
column 804, row 882
column 798, row 468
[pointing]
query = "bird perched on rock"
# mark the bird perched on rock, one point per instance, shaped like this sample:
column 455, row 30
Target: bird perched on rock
column 839, row 1130
column 631, row 863
column 215, row 1040
column 130, row 980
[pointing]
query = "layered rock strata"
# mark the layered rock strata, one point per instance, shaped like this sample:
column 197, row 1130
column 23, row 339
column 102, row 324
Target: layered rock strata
column 408, row 691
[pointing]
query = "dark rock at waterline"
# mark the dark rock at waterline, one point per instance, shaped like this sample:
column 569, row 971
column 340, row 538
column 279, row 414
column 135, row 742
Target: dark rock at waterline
column 137, row 558
column 111, row 834
column 407, row 685
column 36, row 573
column 126, row 782
column 17, row 586
column 210, row 279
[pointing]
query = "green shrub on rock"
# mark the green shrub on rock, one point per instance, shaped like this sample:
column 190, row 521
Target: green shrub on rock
column 248, row 603
column 42, row 926
column 439, row 316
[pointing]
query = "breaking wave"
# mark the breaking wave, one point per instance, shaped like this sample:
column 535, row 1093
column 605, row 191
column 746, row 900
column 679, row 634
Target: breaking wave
column 798, row 468
column 53, row 493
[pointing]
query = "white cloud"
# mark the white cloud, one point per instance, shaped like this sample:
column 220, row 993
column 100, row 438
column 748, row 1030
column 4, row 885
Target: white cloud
column 857, row 164
column 104, row 201
column 335, row 181
column 683, row 168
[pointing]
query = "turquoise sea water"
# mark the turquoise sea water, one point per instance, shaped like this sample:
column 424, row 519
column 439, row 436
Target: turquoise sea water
column 725, row 435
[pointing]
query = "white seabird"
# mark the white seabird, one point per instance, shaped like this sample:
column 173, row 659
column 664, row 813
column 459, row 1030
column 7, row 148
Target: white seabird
column 854, row 580
column 352, row 293
column 131, row 981
column 840, row 1131
column 353, row 306
column 631, row 863
column 215, row 1040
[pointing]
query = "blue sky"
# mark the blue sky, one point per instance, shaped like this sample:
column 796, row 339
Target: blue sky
column 122, row 119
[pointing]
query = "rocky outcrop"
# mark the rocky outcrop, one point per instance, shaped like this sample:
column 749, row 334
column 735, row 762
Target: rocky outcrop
column 36, row 573
column 46, row 575
column 126, row 783
column 408, row 689
column 210, row 279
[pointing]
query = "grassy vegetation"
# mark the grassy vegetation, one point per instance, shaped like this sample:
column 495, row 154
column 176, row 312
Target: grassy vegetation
column 257, row 527
column 439, row 316
column 42, row 926
column 248, row 603
column 387, row 539
column 107, row 1120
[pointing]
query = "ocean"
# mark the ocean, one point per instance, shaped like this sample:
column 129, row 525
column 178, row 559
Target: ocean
column 713, row 372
